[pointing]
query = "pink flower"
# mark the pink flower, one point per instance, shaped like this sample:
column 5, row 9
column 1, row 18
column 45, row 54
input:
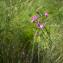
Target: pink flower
column 41, row 26
column 34, row 18
column 46, row 14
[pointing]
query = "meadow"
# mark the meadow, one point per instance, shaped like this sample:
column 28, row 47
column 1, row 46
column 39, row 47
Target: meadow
column 18, row 41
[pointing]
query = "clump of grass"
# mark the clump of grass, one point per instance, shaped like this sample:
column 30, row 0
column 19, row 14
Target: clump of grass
column 16, row 31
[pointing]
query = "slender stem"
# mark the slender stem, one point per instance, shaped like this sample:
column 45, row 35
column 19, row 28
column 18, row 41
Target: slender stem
column 38, row 53
column 50, row 42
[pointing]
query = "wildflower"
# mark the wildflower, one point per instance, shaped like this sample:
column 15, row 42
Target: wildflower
column 34, row 18
column 40, row 26
column 46, row 14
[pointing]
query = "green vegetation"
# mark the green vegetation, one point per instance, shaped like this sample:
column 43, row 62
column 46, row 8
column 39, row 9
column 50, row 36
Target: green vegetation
column 17, row 31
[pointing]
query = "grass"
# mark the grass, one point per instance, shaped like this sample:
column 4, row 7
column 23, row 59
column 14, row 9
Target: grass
column 16, row 30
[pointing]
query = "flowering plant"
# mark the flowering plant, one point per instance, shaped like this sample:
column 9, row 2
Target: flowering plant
column 41, row 29
column 35, row 20
column 42, row 38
